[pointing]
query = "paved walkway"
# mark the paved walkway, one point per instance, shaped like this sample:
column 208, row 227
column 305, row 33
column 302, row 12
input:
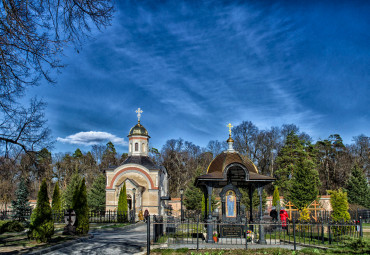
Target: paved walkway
column 117, row 241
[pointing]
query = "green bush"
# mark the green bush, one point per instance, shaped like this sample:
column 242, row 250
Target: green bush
column 42, row 224
column 122, row 205
column 81, row 209
column 11, row 226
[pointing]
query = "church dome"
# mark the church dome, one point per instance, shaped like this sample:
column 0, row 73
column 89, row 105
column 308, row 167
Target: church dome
column 226, row 158
column 138, row 129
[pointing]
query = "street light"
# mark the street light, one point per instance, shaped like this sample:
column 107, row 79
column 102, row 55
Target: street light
column 182, row 213
column 134, row 212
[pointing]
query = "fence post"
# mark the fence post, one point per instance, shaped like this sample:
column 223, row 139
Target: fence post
column 361, row 233
column 198, row 232
column 322, row 232
column 295, row 245
column 148, row 235
column 329, row 233
column 246, row 230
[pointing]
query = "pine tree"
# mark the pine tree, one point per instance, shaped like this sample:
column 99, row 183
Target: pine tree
column 358, row 188
column 21, row 205
column 339, row 204
column 56, row 203
column 42, row 223
column 122, row 204
column 71, row 187
column 276, row 197
column 304, row 184
column 287, row 160
column 81, row 209
column 96, row 195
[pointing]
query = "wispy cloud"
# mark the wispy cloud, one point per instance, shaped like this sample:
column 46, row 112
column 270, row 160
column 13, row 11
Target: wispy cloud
column 91, row 138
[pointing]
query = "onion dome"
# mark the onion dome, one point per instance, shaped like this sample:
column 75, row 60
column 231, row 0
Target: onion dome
column 138, row 129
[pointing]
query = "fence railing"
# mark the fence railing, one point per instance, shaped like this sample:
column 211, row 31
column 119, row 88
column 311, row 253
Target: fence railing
column 193, row 234
column 94, row 216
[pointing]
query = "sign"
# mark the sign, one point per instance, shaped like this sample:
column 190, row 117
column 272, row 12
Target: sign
column 231, row 231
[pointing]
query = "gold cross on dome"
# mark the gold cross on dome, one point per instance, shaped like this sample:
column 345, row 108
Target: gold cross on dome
column 139, row 112
column 229, row 126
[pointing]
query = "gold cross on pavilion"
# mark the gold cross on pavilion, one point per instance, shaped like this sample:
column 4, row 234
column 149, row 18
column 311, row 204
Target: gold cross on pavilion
column 139, row 112
column 229, row 126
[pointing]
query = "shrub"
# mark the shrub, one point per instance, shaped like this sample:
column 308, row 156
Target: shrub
column 42, row 224
column 122, row 205
column 11, row 226
column 81, row 209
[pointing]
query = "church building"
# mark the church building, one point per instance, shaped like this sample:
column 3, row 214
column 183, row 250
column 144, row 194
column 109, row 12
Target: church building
column 144, row 179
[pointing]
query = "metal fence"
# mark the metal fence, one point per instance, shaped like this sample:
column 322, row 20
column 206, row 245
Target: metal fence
column 94, row 216
column 174, row 233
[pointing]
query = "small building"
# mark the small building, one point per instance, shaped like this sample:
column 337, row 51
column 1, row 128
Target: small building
column 144, row 179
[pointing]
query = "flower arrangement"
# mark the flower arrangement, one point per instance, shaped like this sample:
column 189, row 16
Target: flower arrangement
column 250, row 235
column 215, row 234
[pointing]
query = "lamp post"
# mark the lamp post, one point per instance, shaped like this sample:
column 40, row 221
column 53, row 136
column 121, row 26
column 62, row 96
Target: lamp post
column 134, row 211
column 182, row 212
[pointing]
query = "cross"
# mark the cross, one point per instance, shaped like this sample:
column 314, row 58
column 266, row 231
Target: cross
column 229, row 126
column 139, row 112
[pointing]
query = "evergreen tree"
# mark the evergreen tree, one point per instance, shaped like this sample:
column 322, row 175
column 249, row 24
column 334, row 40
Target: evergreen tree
column 255, row 199
column 69, row 192
column 194, row 197
column 122, row 204
column 276, row 197
column 42, row 223
column 339, row 204
column 21, row 205
column 96, row 196
column 304, row 184
column 109, row 156
column 81, row 208
column 286, row 161
column 358, row 188
column 56, row 203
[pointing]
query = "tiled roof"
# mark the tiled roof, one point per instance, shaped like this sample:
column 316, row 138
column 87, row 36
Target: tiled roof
column 141, row 160
column 226, row 158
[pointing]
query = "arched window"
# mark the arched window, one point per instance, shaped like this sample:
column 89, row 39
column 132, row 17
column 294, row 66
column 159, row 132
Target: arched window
column 136, row 147
column 143, row 147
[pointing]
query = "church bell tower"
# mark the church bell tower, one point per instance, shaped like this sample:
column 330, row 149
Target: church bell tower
column 138, row 138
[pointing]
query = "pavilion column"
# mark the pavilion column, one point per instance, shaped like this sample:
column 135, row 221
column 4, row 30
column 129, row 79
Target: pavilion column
column 261, row 227
column 209, row 220
column 251, row 189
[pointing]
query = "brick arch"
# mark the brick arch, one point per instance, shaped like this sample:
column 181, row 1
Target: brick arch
column 129, row 169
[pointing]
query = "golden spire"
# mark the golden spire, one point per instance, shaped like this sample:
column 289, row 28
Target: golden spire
column 139, row 112
column 230, row 139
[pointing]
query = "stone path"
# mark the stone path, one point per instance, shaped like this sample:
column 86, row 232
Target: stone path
column 117, row 241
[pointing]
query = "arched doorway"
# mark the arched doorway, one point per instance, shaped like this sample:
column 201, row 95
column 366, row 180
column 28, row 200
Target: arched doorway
column 129, row 202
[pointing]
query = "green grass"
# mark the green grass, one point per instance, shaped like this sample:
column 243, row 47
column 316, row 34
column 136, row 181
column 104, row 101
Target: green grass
column 119, row 225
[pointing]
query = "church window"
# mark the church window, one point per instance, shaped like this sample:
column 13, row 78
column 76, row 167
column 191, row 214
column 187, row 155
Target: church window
column 136, row 147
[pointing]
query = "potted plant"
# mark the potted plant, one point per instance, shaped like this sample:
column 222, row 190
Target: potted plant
column 215, row 236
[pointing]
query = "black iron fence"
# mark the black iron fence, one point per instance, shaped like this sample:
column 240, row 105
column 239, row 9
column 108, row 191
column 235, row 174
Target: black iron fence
column 94, row 216
column 174, row 233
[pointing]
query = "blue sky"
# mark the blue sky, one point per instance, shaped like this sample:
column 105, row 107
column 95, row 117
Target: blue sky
column 194, row 66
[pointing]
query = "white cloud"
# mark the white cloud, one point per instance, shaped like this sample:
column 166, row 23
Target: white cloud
column 91, row 138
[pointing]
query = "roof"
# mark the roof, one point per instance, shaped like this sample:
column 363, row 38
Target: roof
column 225, row 158
column 138, row 129
column 144, row 161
